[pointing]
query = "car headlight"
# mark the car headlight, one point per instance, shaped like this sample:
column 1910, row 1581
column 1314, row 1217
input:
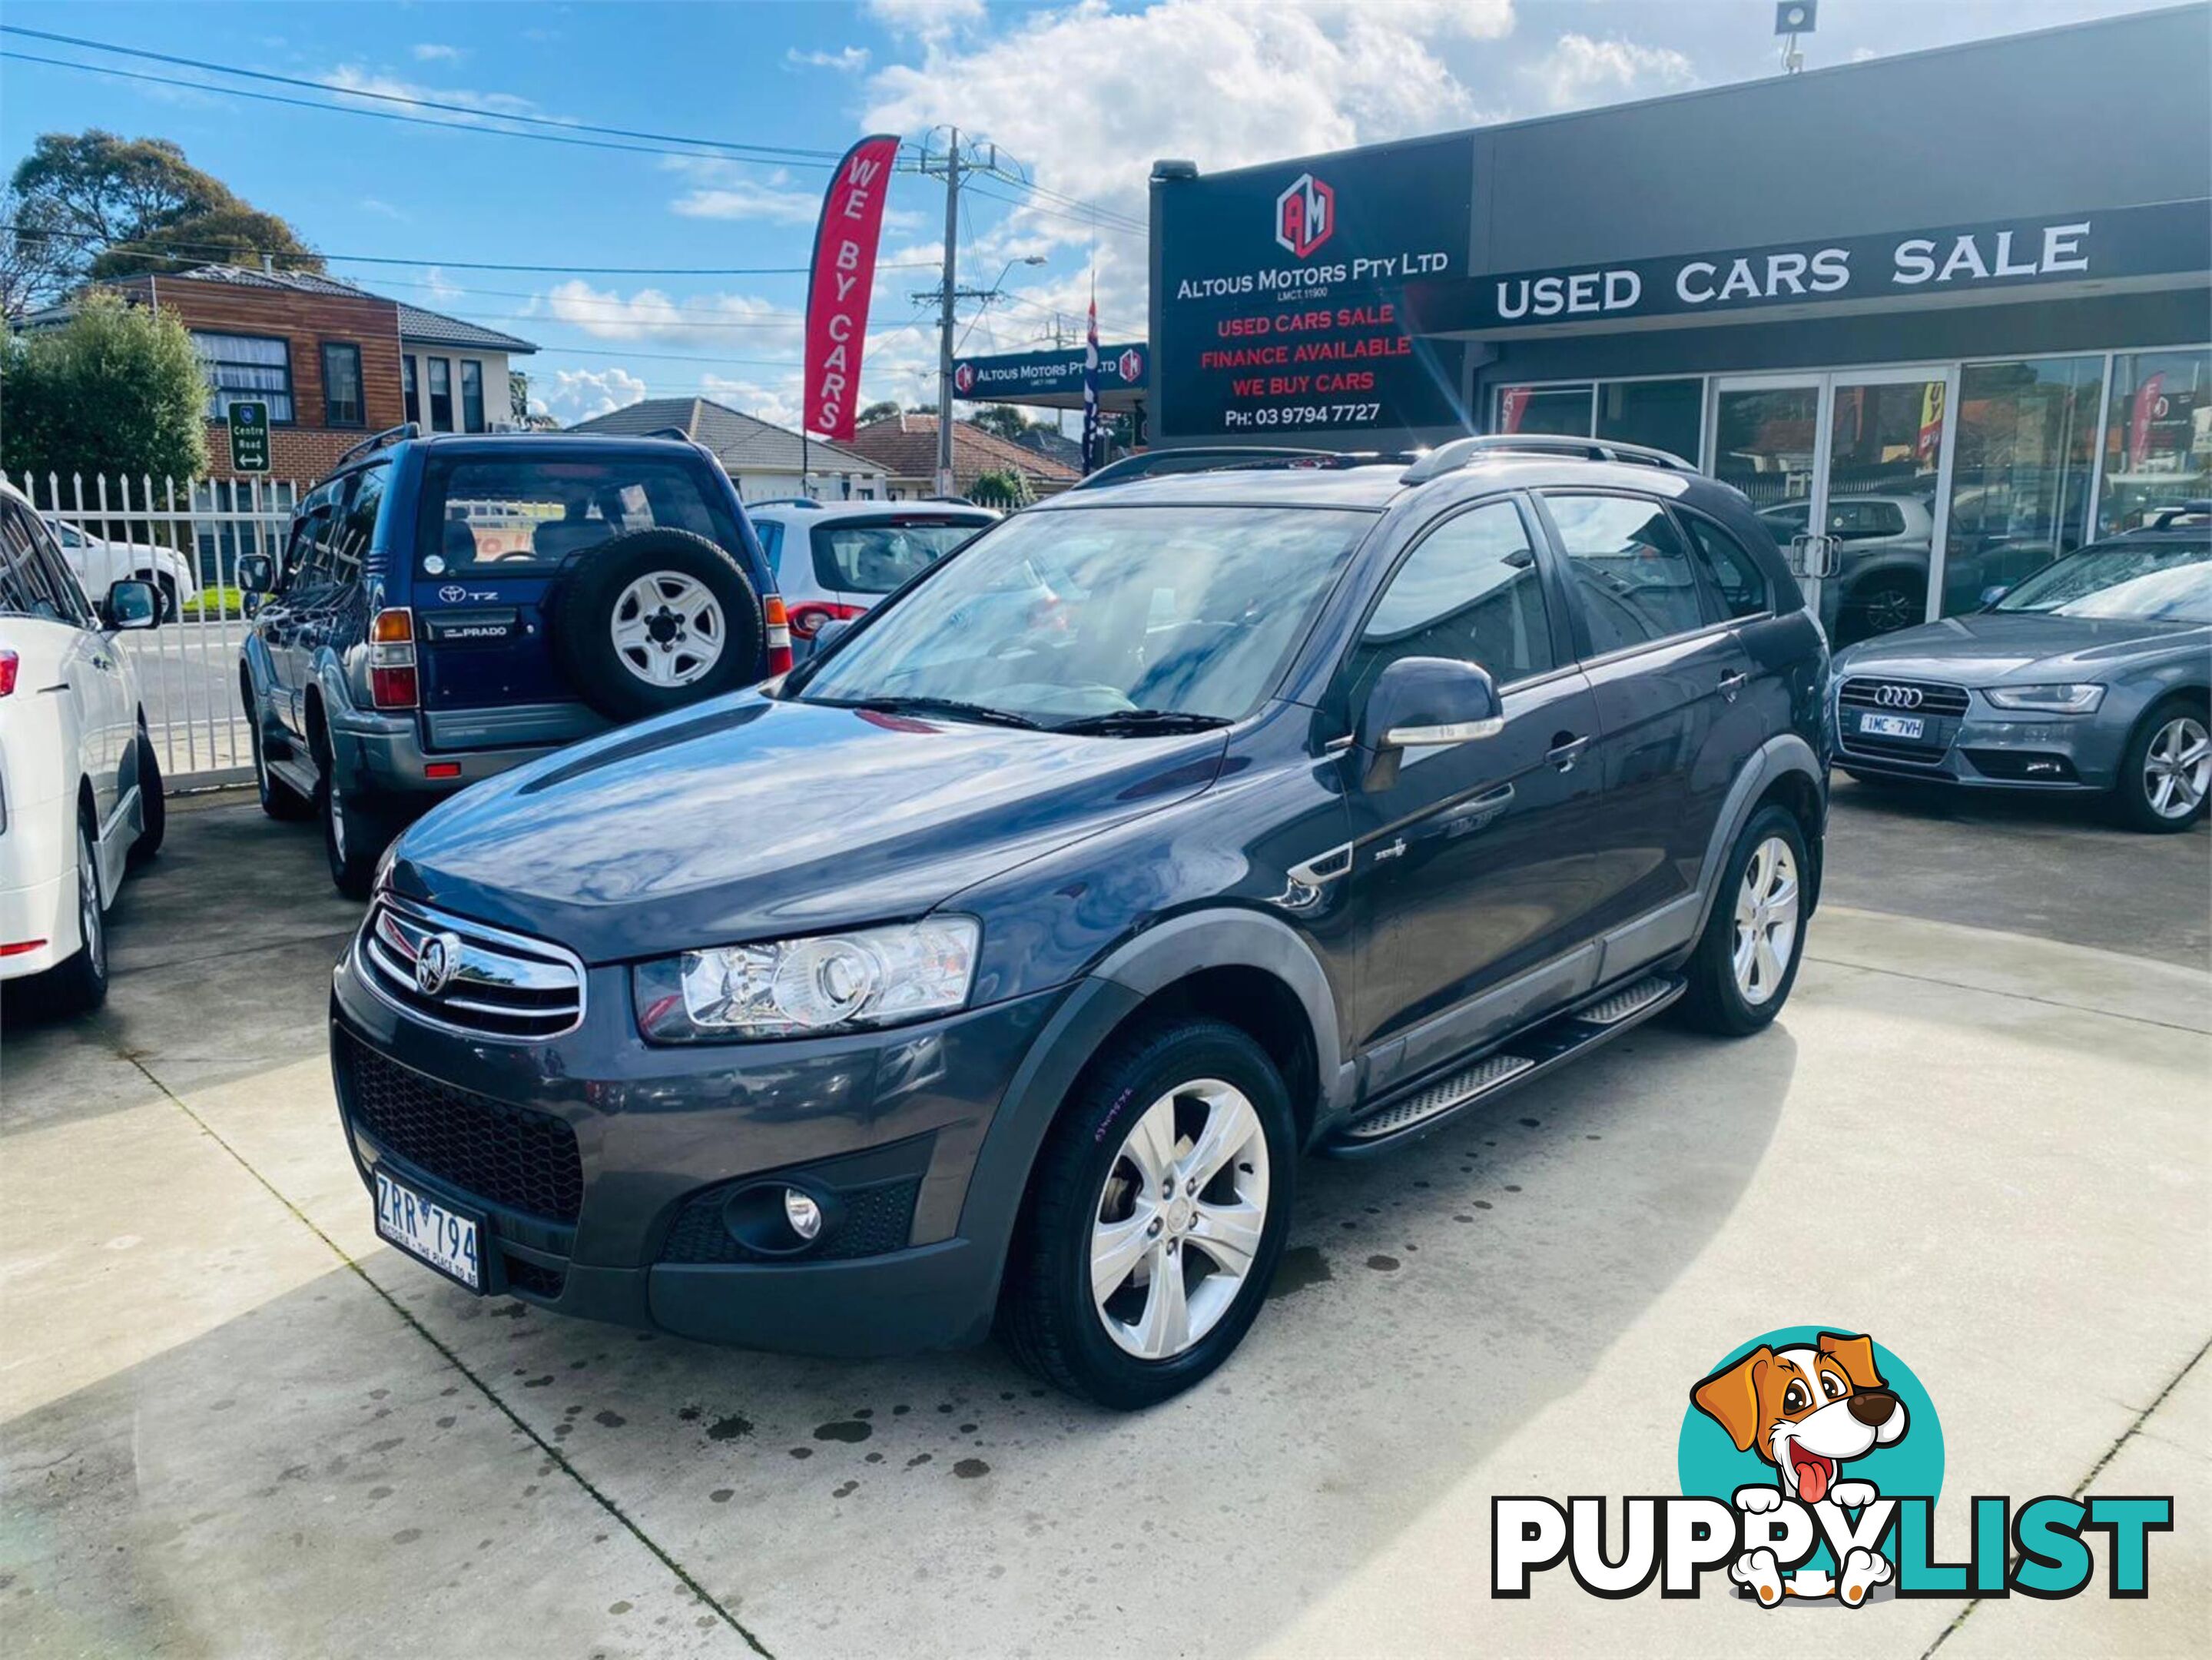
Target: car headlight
column 2071, row 699
column 827, row 983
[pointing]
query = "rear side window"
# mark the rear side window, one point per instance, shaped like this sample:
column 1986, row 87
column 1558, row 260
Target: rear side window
column 1469, row 591
column 771, row 540
column 1733, row 574
column 1630, row 570
column 503, row 515
column 874, row 555
column 27, row 586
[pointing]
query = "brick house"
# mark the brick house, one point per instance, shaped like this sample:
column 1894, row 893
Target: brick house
column 333, row 361
column 905, row 446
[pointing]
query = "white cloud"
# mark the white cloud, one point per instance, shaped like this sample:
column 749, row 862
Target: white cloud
column 382, row 209
column 443, row 288
column 351, row 77
column 573, row 395
column 742, row 198
column 430, row 51
column 851, row 61
column 779, row 403
column 1579, row 70
column 734, row 323
column 925, row 19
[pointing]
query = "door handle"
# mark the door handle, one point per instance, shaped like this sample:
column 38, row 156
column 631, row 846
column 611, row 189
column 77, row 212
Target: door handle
column 1566, row 751
column 1733, row 683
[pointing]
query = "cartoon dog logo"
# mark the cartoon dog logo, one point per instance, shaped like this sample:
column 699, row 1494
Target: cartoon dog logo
column 1807, row 1412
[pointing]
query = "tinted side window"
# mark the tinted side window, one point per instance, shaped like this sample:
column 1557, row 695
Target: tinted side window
column 771, row 540
column 1733, row 574
column 349, row 546
column 26, row 588
column 1470, row 591
column 1630, row 570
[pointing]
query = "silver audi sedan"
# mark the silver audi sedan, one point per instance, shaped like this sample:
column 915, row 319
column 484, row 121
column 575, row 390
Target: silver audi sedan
column 2094, row 675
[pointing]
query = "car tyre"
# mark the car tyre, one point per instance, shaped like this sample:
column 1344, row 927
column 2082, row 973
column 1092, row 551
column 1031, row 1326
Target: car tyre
column 165, row 588
column 278, row 799
column 2166, row 774
column 652, row 620
column 152, row 805
column 1746, row 961
column 353, row 837
column 80, row 985
column 1161, row 1106
column 1886, row 605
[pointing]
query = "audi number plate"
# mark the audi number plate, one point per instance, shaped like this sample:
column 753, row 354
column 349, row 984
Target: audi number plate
column 1893, row 725
column 428, row 1231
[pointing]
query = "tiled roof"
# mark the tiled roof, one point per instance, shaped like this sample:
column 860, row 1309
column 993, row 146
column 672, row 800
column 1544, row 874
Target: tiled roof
column 433, row 328
column 906, row 445
column 741, row 441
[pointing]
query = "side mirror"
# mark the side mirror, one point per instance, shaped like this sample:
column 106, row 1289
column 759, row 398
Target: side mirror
column 1425, row 703
column 257, row 573
column 131, row 604
column 1990, row 595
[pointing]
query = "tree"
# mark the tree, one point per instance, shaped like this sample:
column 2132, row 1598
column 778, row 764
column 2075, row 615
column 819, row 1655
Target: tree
column 1005, row 489
column 518, row 397
column 118, row 389
column 880, row 410
column 1004, row 419
column 109, row 206
column 33, row 265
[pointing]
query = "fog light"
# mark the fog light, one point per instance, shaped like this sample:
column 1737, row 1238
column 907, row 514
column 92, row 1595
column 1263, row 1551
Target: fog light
column 802, row 1212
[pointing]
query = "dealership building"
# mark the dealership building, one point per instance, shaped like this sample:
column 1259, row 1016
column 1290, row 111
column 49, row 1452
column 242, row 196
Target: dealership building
column 1941, row 316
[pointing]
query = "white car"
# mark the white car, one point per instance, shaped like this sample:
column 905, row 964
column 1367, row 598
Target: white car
column 80, row 788
column 100, row 563
column 833, row 560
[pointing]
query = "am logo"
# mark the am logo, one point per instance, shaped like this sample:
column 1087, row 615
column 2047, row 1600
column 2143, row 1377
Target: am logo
column 1305, row 216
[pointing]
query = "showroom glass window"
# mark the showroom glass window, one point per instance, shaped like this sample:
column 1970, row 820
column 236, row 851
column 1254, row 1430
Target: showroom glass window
column 1666, row 415
column 2158, row 436
column 245, row 369
column 2021, row 472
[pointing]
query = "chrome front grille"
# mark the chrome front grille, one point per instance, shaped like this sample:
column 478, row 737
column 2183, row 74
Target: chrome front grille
column 1902, row 696
column 482, row 982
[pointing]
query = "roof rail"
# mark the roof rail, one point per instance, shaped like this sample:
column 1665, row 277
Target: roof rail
column 784, row 502
column 1463, row 452
column 2168, row 516
column 669, row 432
column 377, row 441
column 1222, row 458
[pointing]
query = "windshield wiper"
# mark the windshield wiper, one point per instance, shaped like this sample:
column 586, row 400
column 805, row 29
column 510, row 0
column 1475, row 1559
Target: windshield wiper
column 1142, row 723
column 951, row 708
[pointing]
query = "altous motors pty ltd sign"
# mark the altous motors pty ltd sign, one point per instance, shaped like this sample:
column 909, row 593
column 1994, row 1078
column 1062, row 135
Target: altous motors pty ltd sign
column 840, row 280
column 1280, row 296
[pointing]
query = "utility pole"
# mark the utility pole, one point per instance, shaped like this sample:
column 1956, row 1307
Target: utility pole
column 946, row 483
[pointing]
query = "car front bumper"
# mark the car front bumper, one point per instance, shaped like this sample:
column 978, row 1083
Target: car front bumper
column 888, row 1127
column 1983, row 750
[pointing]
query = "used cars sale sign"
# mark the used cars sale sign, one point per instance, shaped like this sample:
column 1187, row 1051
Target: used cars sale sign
column 843, row 276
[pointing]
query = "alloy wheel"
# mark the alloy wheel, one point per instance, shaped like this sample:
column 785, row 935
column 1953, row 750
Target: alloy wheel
column 668, row 629
column 1766, row 907
column 1180, row 1219
column 88, row 917
column 2178, row 768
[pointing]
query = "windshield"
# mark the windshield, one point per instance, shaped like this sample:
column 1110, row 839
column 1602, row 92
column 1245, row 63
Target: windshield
column 1086, row 613
column 2169, row 582
column 874, row 555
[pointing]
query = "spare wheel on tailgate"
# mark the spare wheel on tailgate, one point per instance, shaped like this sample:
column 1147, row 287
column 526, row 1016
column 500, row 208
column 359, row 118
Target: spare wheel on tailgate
column 650, row 620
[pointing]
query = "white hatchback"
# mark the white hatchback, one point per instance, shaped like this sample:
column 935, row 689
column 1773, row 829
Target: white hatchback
column 80, row 788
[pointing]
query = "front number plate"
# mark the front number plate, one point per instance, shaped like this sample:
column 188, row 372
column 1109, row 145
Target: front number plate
column 1892, row 726
column 428, row 1231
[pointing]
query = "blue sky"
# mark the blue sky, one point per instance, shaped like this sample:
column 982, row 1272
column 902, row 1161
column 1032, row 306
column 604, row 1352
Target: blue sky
column 1081, row 96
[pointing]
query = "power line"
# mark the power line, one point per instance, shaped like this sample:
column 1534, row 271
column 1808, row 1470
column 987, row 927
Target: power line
column 165, row 245
column 760, row 152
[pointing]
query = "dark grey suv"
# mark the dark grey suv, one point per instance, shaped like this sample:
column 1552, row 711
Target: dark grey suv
column 1000, row 963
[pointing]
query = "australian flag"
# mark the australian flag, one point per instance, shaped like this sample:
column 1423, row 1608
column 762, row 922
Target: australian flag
column 1094, row 435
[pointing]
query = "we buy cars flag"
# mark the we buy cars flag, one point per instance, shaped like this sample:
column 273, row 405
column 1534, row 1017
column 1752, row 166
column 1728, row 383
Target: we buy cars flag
column 840, row 280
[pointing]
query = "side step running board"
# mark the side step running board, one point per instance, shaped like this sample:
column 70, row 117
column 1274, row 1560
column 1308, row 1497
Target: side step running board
column 1527, row 1056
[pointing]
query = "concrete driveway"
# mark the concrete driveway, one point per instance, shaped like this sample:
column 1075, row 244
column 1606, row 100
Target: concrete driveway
column 232, row 1423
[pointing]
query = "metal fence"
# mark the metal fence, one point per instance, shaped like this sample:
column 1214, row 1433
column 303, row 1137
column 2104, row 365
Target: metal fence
column 186, row 535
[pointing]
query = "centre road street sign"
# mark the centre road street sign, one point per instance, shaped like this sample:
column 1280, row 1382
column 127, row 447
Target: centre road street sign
column 249, row 437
